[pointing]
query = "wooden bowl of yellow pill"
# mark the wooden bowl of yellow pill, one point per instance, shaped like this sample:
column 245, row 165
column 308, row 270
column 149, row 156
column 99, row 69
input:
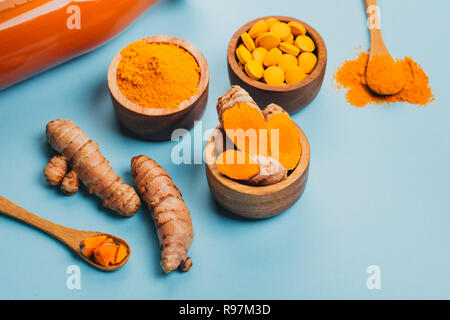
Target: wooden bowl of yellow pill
column 255, row 202
column 158, row 123
column 282, row 62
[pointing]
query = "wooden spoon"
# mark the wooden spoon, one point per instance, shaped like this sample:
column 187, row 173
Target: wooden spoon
column 383, row 75
column 70, row 237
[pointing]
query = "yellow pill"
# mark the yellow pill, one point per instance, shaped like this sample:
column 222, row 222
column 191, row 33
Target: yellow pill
column 248, row 41
column 258, row 28
column 271, row 21
column 281, row 29
column 286, row 61
column 254, row 70
column 259, row 54
column 274, row 76
column 290, row 39
column 268, row 40
column 295, row 74
column 305, row 44
column 297, row 29
column 243, row 54
column 289, row 48
column 307, row 61
column 272, row 57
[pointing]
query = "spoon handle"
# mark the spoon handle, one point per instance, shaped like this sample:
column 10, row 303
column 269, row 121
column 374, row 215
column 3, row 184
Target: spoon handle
column 370, row 3
column 11, row 209
column 378, row 48
column 373, row 15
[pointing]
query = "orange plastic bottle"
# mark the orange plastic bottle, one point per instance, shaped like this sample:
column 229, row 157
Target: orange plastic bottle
column 36, row 35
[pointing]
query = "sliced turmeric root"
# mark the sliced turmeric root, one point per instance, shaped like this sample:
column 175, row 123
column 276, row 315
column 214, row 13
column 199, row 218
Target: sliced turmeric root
column 237, row 165
column 90, row 244
column 105, row 254
column 243, row 121
column 254, row 170
column 284, row 137
column 122, row 252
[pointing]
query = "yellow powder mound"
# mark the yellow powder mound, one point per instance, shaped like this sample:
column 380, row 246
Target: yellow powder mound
column 157, row 75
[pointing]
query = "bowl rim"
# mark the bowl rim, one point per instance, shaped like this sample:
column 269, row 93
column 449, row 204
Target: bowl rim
column 131, row 106
column 296, row 174
column 320, row 47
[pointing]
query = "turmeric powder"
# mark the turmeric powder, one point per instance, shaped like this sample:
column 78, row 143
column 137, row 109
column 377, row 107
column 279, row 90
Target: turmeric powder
column 157, row 75
column 351, row 75
column 384, row 75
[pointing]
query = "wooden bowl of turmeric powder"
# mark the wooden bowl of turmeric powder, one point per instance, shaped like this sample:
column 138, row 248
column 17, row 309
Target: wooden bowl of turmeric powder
column 256, row 202
column 295, row 88
column 158, row 84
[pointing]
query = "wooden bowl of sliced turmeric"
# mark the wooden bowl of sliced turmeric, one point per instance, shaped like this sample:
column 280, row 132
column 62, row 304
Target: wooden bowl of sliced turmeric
column 278, row 60
column 158, row 84
column 256, row 202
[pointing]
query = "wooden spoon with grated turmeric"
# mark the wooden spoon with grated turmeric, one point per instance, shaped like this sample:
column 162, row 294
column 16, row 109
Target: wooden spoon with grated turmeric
column 93, row 247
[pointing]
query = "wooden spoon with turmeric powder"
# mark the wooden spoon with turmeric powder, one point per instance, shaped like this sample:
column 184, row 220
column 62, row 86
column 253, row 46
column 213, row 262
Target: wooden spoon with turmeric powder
column 72, row 238
column 383, row 74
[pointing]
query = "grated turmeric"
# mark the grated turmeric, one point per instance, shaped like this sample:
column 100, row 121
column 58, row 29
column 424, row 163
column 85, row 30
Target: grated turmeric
column 103, row 250
column 157, row 75
column 351, row 75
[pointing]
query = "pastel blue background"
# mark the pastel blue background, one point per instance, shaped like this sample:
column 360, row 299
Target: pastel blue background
column 378, row 191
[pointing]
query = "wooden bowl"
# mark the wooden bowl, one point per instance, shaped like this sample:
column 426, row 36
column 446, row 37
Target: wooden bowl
column 257, row 202
column 159, row 123
column 291, row 97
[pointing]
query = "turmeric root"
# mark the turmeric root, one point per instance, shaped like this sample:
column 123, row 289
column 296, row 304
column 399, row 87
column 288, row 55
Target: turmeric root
column 254, row 170
column 55, row 170
column 272, row 129
column 286, row 147
column 243, row 121
column 56, row 173
column 172, row 218
column 92, row 168
column 70, row 183
column 270, row 171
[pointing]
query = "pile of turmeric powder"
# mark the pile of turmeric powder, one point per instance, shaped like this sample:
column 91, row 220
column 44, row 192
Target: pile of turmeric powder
column 157, row 75
column 351, row 75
